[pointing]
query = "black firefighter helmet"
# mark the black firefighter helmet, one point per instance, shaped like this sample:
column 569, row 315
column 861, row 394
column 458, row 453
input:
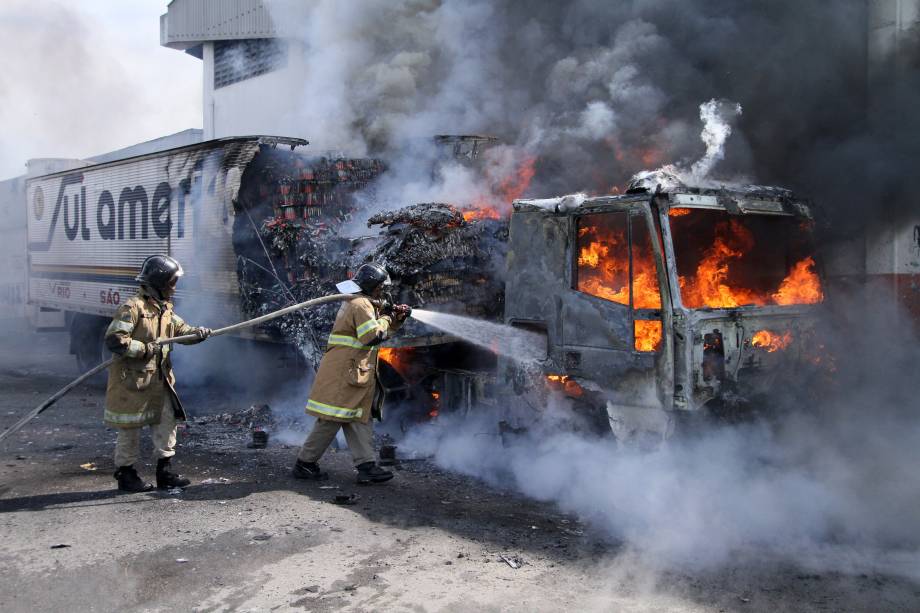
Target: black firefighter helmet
column 368, row 278
column 159, row 271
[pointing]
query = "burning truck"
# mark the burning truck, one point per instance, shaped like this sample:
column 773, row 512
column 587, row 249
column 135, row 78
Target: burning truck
column 655, row 306
column 650, row 306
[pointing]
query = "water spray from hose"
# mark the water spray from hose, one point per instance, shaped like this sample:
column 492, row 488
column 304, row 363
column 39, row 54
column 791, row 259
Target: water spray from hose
column 511, row 342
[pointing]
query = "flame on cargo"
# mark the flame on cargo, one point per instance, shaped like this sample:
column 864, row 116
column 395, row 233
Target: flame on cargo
column 435, row 404
column 771, row 341
column 481, row 211
column 504, row 190
column 565, row 384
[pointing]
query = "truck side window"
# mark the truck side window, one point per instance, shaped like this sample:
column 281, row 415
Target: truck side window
column 603, row 256
column 645, row 288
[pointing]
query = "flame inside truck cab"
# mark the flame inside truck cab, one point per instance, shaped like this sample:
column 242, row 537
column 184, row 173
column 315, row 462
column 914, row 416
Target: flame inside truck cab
column 728, row 261
column 616, row 263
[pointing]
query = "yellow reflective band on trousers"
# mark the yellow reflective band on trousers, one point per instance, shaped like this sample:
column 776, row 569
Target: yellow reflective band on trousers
column 333, row 411
column 367, row 326
column 346, row 341
column 128, row 418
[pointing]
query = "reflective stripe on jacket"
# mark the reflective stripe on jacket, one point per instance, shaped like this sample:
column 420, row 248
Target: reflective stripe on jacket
column 134, row 394
column 347, row 376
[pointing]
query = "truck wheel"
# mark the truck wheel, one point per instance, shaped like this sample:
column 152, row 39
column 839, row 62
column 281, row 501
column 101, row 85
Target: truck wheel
column 87, row 343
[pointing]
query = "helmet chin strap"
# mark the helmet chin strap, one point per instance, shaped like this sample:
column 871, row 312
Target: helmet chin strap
column 154, row 292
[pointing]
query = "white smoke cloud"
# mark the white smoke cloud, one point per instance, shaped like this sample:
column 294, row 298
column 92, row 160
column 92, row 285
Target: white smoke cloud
column 717, row 116
column 698, row 503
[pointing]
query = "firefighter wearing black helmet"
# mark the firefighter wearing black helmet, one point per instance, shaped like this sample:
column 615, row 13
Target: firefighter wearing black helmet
column 141, row 388
column 345, row 393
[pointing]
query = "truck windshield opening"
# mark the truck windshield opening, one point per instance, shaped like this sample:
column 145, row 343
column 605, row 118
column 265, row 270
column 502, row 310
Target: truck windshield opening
column 726, row 261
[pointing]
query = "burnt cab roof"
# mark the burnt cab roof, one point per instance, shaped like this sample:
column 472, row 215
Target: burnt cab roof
column 736, row 199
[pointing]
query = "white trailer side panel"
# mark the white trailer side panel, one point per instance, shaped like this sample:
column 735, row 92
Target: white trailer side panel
column 90, row 229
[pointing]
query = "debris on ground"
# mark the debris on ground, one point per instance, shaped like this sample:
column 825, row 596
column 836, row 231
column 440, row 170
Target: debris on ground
column 388, row 455
column 512, row 561
column 88, row 466
column 346, row 499
column 212, row 481
column 181, row 560
column 259, row 439
column 256, row 416
column 60, row 546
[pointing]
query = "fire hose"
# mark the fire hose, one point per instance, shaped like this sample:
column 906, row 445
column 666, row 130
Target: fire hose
column 167, row 341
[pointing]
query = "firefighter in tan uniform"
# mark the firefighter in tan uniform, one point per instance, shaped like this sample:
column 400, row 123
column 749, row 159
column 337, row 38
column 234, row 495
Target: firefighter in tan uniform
column 346, row 393
column 141, row 390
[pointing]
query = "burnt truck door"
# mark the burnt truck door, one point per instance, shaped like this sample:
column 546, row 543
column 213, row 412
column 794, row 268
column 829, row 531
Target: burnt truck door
column 614, row 330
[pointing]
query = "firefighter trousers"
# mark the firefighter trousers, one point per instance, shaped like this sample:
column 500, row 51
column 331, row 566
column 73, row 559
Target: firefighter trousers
column 360, row 439
column 128, row 444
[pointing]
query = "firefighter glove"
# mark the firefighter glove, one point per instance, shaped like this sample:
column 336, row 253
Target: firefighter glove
column 402, row 311
column 153, row 349
column 202, row 333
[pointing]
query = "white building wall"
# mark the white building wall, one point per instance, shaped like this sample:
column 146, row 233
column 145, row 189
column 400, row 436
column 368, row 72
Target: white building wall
column 892, row 262
column 264, row 104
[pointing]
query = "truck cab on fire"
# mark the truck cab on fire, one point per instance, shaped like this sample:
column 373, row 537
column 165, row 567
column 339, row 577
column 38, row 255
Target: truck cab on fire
column 660, row 305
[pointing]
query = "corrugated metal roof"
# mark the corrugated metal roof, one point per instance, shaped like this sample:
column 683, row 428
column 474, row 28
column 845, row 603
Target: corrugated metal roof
column 188, row 23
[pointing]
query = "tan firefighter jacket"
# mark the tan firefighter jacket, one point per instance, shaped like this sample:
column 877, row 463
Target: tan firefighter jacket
column 345, row 388
column 137, row 383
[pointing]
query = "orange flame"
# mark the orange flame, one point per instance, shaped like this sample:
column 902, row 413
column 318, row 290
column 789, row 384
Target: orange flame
column 435, row 404
column 709, row 287
column 504, row 190
column 604, row 268
column 801, row 286
column 771, row 341
column 647, row 334
column 481, row 211
column 565, row 384
column 513, row 187
column 678, row 212
column 397, row 358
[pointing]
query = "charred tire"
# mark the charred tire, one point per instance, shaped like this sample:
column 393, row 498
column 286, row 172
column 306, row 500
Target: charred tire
column 592, row 418
column 87, row 343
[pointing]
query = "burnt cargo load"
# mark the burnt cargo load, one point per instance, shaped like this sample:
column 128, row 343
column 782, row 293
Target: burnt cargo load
column 227, row 209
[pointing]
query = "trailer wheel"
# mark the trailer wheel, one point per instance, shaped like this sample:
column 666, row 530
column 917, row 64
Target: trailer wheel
column 87, row 343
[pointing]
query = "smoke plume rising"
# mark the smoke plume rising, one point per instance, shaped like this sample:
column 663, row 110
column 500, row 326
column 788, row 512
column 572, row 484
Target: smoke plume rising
column 597, row 91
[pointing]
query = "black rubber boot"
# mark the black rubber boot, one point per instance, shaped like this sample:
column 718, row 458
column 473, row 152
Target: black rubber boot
column 308, row 470
column 128, row 481
column 167, row 479
column 369, row 472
